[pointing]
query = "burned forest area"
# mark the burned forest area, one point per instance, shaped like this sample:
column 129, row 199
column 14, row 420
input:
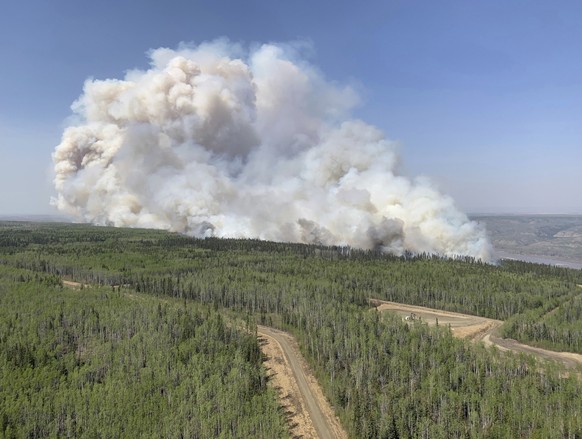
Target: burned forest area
column 123, row 333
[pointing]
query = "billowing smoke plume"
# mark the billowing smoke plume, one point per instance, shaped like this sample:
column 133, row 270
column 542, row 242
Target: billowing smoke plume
column 211, row 141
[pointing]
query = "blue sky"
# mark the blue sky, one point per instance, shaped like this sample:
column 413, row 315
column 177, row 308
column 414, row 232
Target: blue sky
column 484, row 97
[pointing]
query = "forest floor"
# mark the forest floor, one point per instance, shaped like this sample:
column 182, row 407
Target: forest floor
column 475, row 329
column 308, row 411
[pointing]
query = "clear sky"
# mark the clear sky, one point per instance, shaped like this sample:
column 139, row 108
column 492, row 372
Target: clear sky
column 484, row 97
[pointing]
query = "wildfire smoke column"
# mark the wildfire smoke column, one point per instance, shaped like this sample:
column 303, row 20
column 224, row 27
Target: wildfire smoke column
column 215, row 141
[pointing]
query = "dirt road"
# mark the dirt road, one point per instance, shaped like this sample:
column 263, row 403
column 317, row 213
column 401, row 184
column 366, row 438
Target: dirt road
column 310, row 415
column 476, row 329
column 462, row 325
column 308, row 412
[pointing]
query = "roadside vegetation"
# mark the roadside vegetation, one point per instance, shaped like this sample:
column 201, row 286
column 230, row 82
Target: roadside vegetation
column 99, row 363
column 168, row 308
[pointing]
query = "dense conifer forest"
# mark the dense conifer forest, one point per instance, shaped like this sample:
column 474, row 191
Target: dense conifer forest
column 161, row 342
column 102, row 363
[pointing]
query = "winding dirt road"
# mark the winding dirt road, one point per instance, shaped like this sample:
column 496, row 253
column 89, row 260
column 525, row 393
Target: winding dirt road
column 309, row 413
column 476, row 329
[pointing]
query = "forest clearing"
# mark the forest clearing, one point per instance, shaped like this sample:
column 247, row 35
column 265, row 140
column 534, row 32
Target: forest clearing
column 309, row 413
column 476, row 329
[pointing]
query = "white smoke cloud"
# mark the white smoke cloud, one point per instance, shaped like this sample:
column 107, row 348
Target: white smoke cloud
column 213, row 141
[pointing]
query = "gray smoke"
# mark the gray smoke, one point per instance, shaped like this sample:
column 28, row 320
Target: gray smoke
column 212, row 141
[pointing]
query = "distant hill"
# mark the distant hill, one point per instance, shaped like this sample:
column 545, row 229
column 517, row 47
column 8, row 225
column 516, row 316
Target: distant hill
column 538, row 238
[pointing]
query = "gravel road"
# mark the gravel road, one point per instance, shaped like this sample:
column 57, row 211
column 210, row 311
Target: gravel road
column 320, row 413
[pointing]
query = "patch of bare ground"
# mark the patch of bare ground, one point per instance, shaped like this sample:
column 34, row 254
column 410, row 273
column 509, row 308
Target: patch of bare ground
column 74, row 285
column 462, row 325
column 309, row 414
column 475, row 329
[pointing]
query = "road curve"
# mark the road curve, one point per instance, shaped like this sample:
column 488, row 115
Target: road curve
column 475, row 329
column 568, row 359
column 320, row 413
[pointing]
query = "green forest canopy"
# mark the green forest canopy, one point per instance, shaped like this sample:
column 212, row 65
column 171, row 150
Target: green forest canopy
column 168, row 307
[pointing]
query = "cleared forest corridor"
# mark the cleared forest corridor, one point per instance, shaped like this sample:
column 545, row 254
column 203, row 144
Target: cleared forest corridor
column 476, row 329
column 310, row 414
